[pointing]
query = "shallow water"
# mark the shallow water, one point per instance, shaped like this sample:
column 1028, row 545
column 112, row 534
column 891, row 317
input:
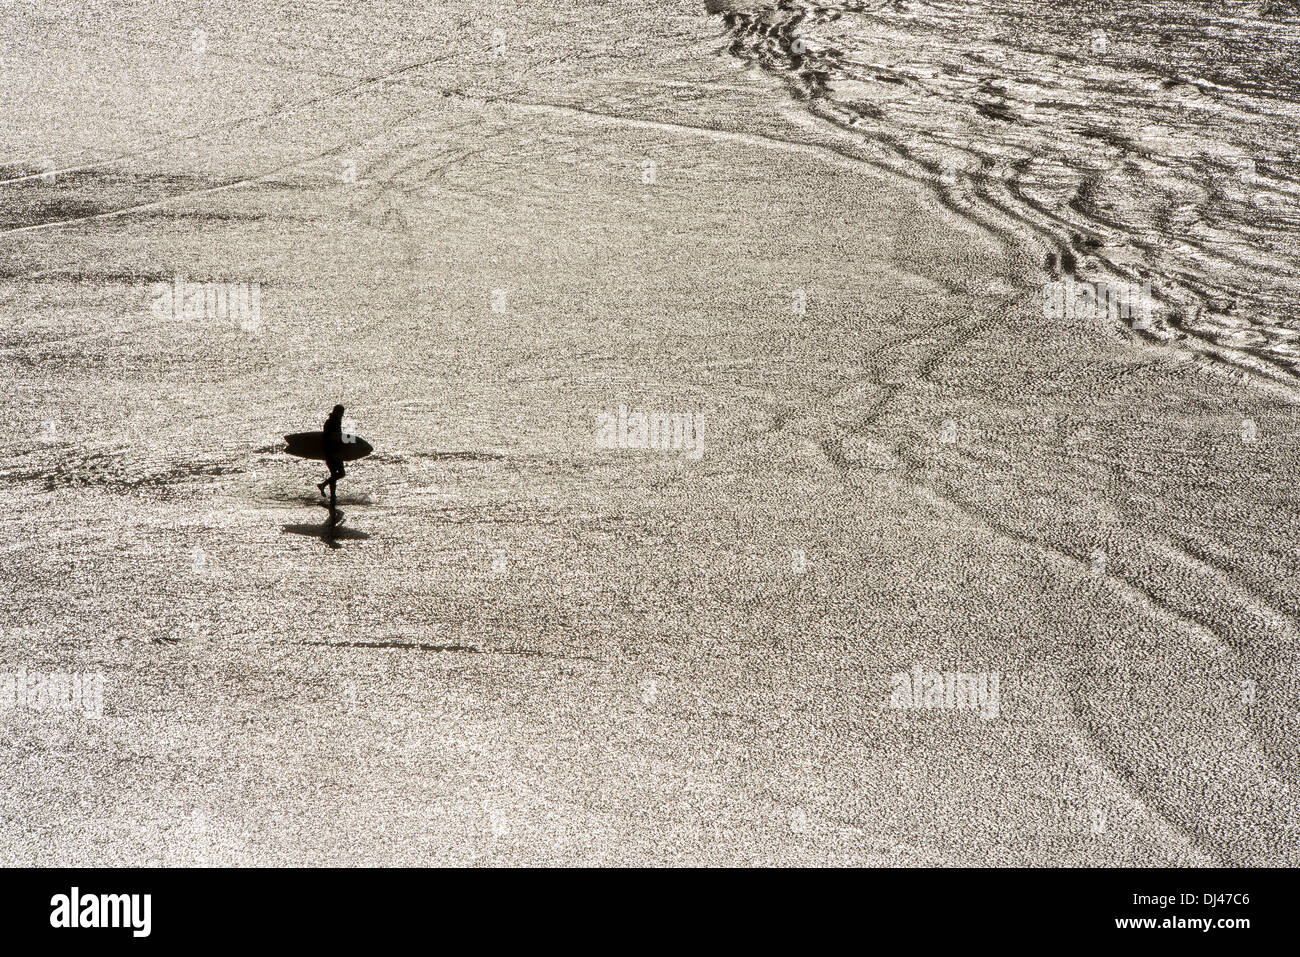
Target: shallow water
column 522, row 646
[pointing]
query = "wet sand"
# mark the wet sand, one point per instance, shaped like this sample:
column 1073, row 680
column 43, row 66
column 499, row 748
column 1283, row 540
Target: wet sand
column 522, row 647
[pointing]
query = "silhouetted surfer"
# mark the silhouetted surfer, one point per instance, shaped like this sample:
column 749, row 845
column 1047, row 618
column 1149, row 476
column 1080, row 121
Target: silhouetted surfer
column 333, row 451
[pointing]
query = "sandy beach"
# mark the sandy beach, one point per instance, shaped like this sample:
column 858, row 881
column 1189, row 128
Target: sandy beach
column 482, row 228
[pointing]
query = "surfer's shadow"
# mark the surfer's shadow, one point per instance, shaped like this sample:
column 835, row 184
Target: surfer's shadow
column 329, row 533
column 302, row 498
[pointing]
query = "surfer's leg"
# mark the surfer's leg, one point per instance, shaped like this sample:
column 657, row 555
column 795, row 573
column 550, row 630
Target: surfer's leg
column 336, row 473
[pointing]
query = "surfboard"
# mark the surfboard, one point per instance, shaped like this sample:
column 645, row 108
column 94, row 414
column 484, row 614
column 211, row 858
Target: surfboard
column 311, row 445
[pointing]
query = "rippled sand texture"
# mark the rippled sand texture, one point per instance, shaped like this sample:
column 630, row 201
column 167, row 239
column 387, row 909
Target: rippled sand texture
column 1149, row 143
column 521, row 647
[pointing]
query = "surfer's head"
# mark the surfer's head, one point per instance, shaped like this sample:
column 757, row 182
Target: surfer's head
column 338, row 411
